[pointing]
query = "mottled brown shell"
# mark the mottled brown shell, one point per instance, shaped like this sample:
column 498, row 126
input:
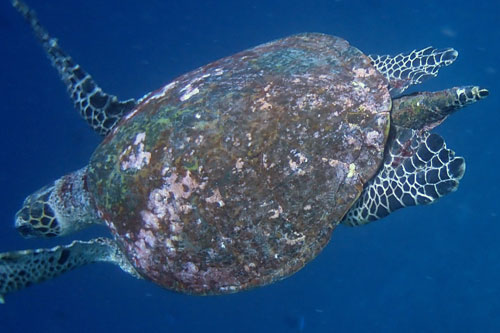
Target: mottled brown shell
column 235, row 174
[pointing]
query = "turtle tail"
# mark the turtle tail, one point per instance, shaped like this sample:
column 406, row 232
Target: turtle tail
column 418, row 169
column 100, row 110
column 20, row 269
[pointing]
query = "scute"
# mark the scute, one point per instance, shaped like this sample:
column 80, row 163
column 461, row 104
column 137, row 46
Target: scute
column 235, row 174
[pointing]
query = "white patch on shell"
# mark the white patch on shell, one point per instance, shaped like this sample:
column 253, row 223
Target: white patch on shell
column 296, row 161
column 249, row 267
column 178, row 188
column 150, row 220
column 215, row 198
column 141, row 248
column 382, row 119
column 165, row 205
column 293, row 164
column 228, row 288
column 249, row 138
column 131, row 114
column 342, row 169
column 170, row 201
column 175, row 227
column 111, row 227
column 199, row 139
column 262, row 104
column 374, row 138
column 190, row 92
column 265, row 164
column 134, row 156
column 139, row 138
column 157, row 94
column 309, row 101
column 190, row 268
column 295, row 238
column 362, row 72
column 352, row 170
column 275, row 213
column 148, row 237
column 239, row 164
column 170, row 245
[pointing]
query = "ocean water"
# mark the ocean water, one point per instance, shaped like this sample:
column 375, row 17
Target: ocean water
column 423, row 269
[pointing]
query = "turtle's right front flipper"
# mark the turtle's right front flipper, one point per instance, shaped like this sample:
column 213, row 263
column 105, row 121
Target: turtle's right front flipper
column 20, row 269
column 101, row 111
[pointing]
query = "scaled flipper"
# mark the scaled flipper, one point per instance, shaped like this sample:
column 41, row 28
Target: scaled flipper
column 407, row 69
column 418, row 169
column 20, row 269
column 101, row 111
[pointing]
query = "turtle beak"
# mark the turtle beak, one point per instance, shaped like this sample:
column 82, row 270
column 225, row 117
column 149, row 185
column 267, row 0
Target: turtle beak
column 22, row 223
column 25, row 230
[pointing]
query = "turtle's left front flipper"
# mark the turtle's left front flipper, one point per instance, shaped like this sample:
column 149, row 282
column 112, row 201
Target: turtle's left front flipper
column 101, row 111
column 20, row 269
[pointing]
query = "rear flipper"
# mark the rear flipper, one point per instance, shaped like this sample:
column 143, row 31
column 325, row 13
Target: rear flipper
column 407, row 69
column 418, row 169
column 20, row 269
column 101, row 111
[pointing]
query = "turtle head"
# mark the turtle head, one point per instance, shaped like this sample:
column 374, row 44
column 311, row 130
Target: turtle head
column 37, row 217
column 57, row 209
column 426, row 110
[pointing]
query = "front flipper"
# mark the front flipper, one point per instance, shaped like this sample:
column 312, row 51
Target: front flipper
column 101, row 111
column 20, row 269
column 418, row 169
column 407, row 69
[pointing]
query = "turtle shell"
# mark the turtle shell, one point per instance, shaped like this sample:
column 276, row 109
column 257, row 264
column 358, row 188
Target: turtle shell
column 235, row 175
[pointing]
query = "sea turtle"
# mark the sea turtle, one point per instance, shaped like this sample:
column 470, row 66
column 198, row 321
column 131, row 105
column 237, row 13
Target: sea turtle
column 234, row 175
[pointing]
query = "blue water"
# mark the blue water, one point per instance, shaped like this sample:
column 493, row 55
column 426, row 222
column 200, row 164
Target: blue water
column 425, row 269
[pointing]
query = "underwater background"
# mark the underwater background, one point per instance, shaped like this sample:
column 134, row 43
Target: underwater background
column 423, row 269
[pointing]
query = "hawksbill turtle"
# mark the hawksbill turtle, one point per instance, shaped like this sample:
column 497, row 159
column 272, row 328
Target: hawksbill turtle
column 234, row 175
